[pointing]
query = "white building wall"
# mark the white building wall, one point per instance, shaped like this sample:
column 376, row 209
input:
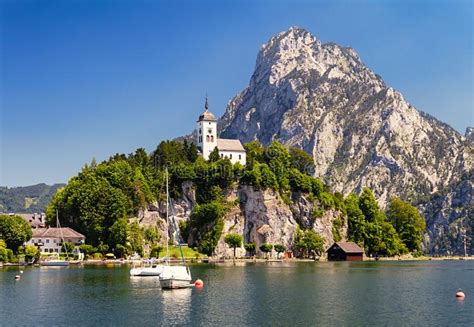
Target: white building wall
column 234, row 156
column 52, row 244
column 206, row 137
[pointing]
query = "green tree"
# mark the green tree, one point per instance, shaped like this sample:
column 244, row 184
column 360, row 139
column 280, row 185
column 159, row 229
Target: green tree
column 279, row 160
column 408, row 223
column 299, row 181
column 87, row 249
column 135, row 238
column 207, row 224
column 155, row 251
column 67, row 247
column 266, row 248
column 255, row 153
column 368, row 205
column 151, row 235
column 234, row 241
column 120, row 250
column 32, row 253
column 3, row 251
column 314, row 243
column 356, row 220
column 250, row 248
column 302, row 161
column 279, row 248
column 103, row 248
column 14, row 230
column 214, row 155
column 118, row 233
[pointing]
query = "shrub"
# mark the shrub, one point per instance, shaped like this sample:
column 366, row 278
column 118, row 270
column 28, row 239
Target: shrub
column 250, row 248
column 265, row 248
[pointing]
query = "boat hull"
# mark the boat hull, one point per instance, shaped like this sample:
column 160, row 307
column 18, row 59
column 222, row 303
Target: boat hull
column 173, row 283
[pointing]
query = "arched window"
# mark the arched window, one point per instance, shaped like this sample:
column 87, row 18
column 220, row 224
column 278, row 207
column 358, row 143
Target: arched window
column 212, row 138
column 207, row 138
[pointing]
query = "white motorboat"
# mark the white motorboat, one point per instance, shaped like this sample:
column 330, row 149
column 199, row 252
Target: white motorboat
column 153, row 270
column 54, row 263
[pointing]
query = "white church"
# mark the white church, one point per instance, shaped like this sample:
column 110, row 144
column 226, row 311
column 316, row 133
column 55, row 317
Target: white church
column 207, row 139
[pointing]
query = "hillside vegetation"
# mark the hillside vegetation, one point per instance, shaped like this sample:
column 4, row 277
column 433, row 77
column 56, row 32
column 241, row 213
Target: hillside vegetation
column 98, row 201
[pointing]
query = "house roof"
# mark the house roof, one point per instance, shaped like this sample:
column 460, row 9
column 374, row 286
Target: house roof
column 229, row 145
column 348, row 247
column 54, row 232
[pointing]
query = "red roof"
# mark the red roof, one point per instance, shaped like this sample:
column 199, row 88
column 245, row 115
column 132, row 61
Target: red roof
column 348, row 247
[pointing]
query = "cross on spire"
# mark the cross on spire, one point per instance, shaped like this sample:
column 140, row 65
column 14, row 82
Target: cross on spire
column 206, row 105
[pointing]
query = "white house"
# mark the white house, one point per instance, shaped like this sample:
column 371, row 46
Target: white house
column 207, row 139
column 48, row 240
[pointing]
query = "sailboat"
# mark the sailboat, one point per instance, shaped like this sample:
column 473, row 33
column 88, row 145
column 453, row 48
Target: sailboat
column 173, row 277
column 56, row 261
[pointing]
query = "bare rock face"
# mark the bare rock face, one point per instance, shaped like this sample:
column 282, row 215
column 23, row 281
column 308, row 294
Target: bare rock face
column 261, row 217
column 268, row 219
column 323, row 224
column 234, row 222
column 360, row 132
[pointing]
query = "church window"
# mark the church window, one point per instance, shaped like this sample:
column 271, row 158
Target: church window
column 240, row 156
column 199, row 131
column 209, row 130
column 212, row 138
column 230, row 156
column 207, row 138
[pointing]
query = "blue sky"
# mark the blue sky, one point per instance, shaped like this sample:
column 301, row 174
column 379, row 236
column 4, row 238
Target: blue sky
column 84, row 79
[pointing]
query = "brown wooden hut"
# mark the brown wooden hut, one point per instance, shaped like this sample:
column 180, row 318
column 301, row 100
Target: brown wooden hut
column 345, row 251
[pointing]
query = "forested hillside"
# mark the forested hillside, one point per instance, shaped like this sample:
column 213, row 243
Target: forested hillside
column 28, row 199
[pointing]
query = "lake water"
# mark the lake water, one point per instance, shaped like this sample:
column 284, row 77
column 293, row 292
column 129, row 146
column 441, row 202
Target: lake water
column 261, row 294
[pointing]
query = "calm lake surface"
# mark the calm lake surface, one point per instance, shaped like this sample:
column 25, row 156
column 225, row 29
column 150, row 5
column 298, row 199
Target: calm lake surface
column 261, row 294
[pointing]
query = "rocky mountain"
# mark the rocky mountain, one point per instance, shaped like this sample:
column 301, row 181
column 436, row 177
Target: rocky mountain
column 27, row 199
column 360, row 132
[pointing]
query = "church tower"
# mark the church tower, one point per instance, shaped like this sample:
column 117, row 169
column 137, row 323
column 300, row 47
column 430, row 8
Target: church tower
column 206, row 132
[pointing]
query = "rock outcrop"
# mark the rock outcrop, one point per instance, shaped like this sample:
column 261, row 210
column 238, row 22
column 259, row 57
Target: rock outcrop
column 260, row 217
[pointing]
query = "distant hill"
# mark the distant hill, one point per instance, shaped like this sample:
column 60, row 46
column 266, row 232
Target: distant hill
column 28, row 199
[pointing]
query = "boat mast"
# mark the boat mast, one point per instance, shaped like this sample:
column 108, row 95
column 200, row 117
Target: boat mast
column 61, row 232
column 167, row 225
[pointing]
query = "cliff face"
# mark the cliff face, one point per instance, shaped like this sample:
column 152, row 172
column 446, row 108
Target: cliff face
column 360, row 132
column 261, row 217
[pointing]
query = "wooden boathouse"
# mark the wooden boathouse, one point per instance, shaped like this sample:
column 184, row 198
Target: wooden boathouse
column 345, row 251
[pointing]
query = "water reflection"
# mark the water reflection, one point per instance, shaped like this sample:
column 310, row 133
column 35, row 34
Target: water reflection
column 176, row 306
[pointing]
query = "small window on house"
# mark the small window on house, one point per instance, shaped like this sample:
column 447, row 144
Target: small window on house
column 47, row 241
column 55, row 250
column 240, row 156
column 222, row 156
column 230, row 156
column 199, row 131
